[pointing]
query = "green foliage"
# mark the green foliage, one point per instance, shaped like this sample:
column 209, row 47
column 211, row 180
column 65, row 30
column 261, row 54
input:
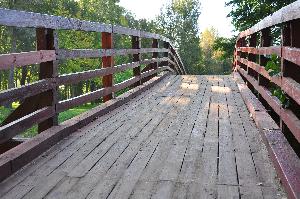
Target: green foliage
column 216, row 53
column 281, row 95
column 246, row 13
column 179, row 22
column 273, row 66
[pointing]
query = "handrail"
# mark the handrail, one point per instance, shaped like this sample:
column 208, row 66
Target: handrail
column 39, row 99
column 253, row 51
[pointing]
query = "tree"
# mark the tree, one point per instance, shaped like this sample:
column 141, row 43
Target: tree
column 179, row 22
column 246, row 13
column 216, row 53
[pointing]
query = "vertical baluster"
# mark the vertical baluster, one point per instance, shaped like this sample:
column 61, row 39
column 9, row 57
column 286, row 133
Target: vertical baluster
column 136, row 44
column 155, row 55
column 45, row 41
column 166, row 54
column 107, row 80
column 265, row 41
column 252, row 57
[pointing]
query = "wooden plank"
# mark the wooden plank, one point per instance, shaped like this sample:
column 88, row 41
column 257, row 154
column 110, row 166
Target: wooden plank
column 86, row 183
column 268, row 179
column 283, row 156
column 26, row 152
column 115, row 116
column 262, row 50
column 35, row 20
column 204, row 170
column 73, row 78
column 85, row 75
column 107, row 62
column 91, row 157
column 125, row 31
column 247, row 176
column 8, row 131
column 292, row 88
column 175, row 165
column 291, row 54
column 227, row 173
column 26, row 91
column 97, row 53
column 26, row 58
column 158, row 115
column 126, row 84
column 82, row 99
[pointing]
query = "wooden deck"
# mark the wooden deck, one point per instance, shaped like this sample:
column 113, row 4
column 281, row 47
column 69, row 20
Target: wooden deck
column 187, row 137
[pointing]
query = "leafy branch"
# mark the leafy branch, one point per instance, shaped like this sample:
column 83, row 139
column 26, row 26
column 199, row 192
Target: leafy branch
column 273, row 68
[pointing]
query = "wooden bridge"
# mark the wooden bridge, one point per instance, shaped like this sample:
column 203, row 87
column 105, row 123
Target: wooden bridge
column 172, row 135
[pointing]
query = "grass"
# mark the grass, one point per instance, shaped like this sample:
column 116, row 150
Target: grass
column 66, row 115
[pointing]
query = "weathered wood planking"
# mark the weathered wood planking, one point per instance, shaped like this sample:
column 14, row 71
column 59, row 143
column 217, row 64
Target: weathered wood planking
column 97, row 53
column 23, row 154
column 89, row 153
column 26, row 58
column 180, row 132
column 26, row 90
column 36, row 20
column 283, row 156
column 10, row 130
column 115, row 116
column 262, row 50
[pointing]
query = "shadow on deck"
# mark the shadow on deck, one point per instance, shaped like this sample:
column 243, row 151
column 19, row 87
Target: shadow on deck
column 187, row 137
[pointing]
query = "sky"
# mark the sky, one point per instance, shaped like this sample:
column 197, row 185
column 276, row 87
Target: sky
column 213, row 13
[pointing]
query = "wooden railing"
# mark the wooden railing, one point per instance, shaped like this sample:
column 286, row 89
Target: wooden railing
column 40, row 103
column 278, row 34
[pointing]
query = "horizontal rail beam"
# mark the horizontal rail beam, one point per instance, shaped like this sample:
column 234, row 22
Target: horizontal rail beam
column 81, row 76
column 36, row 20
column 26, row 90
column 82, row 99
column 287, row 116
column 96, row 53
column 26, row 58
column 10, row 130
column 262, row 50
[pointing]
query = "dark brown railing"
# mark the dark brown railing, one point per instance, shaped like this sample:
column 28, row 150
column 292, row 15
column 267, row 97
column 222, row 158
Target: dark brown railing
column 39, row 99
column 278, row 34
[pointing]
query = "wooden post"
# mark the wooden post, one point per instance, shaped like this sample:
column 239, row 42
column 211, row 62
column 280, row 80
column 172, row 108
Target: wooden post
column 107, row 81
column 136, row 44
column 155, row 55
column 45, row 41
column 252, row 57
column 291, row 38
column 265, row 41
column 166, row 54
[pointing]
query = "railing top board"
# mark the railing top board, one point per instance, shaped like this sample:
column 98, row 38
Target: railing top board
column 287, row 13
column 36, row 20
